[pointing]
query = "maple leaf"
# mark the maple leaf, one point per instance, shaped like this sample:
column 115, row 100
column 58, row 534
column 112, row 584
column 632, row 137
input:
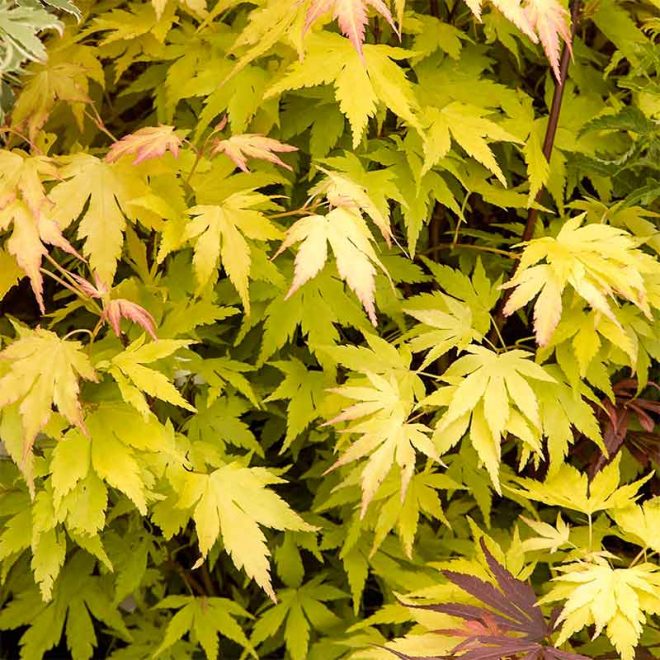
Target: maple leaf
column 483, row 388
column 102, row 193
column 611, row 599
column 350, row 241
column 64, row 77
column 117, row 308
column 25, row 206
column 640, row 522
column 37, row 384
column 78, row 595
column 468, row 126
column 444, row 323
column 544, row 20
column 206, row 618
column 145, row 143
column 596, row 260
column 351, row 16
column 299, row 610
column 508, row 624
column 569, row 488
column 386, row 436
column 135, row 380
column 219, row 231
column 241, row 147
column 550, row 538
column 233, row 501
column 341, row 190
column 331, row 59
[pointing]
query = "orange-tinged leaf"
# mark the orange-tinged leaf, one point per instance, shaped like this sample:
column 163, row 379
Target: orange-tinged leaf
column 25, row 206
column 146, row 143
column 351, row 16
column 241, row 147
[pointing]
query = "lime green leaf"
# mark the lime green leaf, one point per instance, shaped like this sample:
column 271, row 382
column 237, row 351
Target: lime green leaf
column 232, row 503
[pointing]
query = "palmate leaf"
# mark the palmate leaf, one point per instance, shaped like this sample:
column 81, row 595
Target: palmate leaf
column 508, row 623
column 232, row 503
column 569, row 488
column 351, row 242
column 78, row 596
column 596, row 260
column 299, row 611
column 206, row 618
column 484, row 387
column 219, row 233
column 351, row 16
column 331, row 59
column 26, row 208
column 241, row 147
column 145, row 143
column 102, row 192
column 135, row 380
column 615, row 600
column 384, row 404
column 544, row 20
column 37, row 384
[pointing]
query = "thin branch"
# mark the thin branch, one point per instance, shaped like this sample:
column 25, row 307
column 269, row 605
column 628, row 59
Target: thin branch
column 548, row 144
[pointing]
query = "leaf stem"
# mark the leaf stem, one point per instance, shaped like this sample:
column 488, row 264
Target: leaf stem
column 469, row 246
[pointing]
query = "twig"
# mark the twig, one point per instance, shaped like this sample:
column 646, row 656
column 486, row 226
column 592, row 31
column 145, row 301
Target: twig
column 548, row 144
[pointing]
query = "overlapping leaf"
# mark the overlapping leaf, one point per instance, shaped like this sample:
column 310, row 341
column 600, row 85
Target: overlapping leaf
column 597, row 261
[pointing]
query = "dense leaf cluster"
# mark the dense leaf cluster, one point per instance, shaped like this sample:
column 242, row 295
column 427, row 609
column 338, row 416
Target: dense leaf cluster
column 329, row 329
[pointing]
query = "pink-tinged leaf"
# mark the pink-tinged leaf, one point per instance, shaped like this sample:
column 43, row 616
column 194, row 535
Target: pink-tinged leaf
column 514, row 12
column 544, row 20
column 351, row 16
column 28, row 239
column 145, row 144
column 550, row 21
column 96, row 290
column 251, row 145
column 122, row 308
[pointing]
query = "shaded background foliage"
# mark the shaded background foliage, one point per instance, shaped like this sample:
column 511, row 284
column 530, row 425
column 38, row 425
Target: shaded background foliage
column 195, row 387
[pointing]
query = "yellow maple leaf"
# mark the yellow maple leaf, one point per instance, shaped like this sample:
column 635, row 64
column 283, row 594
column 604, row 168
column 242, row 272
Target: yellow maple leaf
column 37, row 384
column 569, row 488
column 219, row 234
column 612, row 599
column 483, row 389
column 235, row 501
column 641, row 523
column 102, row 193
column 596, row 260
column 350, row 240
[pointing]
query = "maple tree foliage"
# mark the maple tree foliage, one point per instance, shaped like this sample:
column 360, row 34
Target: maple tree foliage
column 329, row 329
